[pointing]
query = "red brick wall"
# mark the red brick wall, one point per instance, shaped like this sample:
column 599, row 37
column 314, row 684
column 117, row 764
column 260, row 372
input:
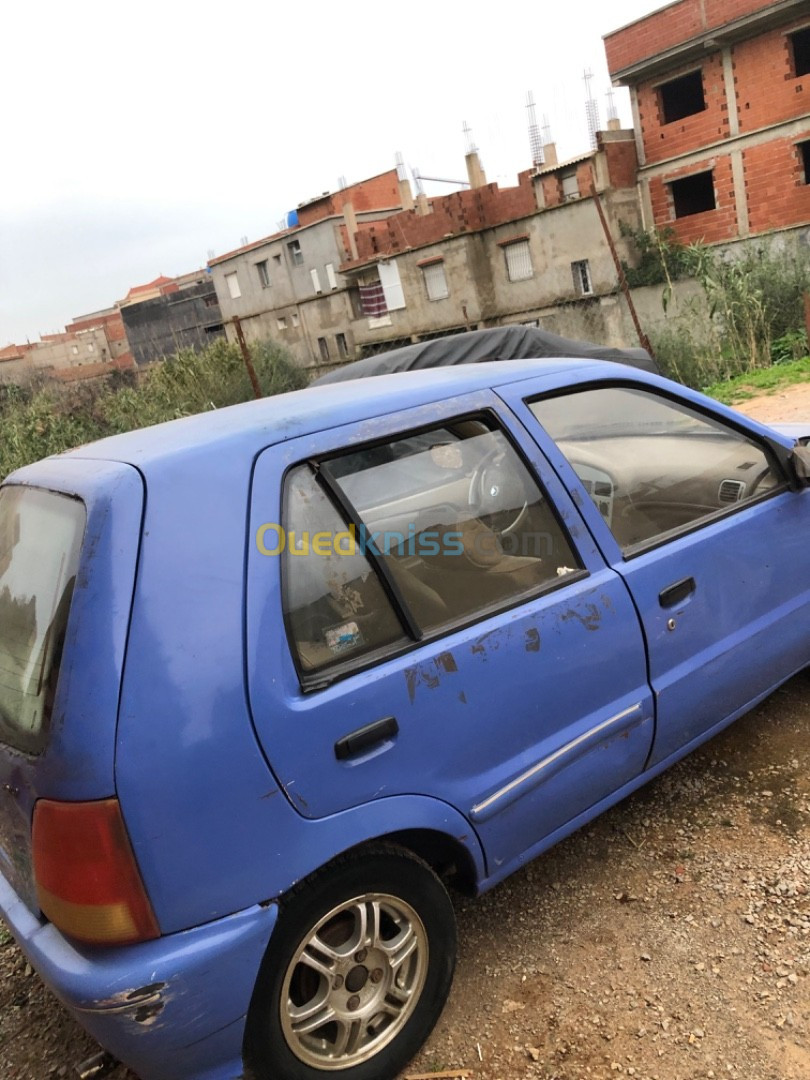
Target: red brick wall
column 622, row 163
column 662, row 141
column 711, row 226
column 777, row 194
column 377, row 193
column 672, row 26
column 460, row 212
column 585, row 181
column 552, row 190
column 767, row 91
column 653, row 34
column 112, row 323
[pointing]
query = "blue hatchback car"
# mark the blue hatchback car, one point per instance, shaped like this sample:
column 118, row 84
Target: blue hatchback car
column 272, row 677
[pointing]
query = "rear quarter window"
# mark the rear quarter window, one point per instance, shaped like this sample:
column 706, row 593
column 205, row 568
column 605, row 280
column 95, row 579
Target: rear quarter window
column 40, row 541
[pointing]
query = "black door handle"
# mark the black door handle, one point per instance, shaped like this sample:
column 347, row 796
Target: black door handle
column 357, row 741
column 673, row 594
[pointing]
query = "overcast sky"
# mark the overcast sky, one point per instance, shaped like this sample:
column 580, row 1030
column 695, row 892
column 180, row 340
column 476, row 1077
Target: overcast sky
column 138, row 139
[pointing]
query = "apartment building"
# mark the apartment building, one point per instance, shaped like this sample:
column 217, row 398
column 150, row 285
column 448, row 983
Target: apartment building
column 536, row 253
column 721, row 101
column 169, row 314
column 288, row 286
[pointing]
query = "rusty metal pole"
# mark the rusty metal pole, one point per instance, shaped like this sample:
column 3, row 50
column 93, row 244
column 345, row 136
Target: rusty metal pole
column 644, row 341
column 240, row 337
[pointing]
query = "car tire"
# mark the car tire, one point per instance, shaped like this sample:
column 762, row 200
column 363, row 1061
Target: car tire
column 356, row 973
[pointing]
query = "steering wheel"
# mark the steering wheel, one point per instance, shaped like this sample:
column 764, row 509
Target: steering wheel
column 495, row 490
column 759, row 480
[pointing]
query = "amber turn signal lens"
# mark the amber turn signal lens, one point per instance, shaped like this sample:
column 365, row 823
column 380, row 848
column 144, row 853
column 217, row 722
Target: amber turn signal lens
column 88, row 883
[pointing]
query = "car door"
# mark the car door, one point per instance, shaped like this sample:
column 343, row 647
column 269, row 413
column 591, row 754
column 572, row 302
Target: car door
column 694, row 512
column 426, row 614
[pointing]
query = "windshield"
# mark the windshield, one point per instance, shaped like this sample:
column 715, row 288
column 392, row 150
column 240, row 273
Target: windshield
column 40, row 540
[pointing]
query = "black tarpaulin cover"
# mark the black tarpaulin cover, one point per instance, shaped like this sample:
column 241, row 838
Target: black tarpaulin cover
column 477, row 346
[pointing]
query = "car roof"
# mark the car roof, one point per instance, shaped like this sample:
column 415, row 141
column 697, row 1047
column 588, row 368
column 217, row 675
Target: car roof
column 255, row 424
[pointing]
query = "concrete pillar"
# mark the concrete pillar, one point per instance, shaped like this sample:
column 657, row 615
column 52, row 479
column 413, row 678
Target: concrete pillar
column 422, row 204
column 550, row 155
column 405, row 194
column 351, row 228
column 645, row 202
column 731, row 93
column 740, row 193
column 614, row 124
column 642, row 158
column 475, row 173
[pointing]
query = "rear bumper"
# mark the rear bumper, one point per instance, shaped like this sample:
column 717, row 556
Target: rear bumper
column 171, row 1009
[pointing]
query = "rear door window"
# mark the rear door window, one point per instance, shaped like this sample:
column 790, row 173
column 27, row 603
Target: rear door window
column 40, row 541
column 399, row 541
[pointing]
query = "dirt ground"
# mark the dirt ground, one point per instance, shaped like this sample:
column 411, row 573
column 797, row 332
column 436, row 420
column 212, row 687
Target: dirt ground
column 669, row 940
column 789, row 405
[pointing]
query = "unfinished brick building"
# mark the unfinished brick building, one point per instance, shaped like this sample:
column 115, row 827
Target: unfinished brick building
column 721, row 99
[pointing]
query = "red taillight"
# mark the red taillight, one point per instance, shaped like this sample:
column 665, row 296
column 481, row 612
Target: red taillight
column 88, row 883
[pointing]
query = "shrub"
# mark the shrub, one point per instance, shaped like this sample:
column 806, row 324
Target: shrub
column 660, row 258
column 49, row 421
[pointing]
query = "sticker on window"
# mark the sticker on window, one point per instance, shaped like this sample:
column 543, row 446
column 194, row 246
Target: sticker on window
column 344, row 637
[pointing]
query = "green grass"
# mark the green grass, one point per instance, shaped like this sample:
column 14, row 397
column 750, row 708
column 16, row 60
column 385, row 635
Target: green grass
column 763, row 381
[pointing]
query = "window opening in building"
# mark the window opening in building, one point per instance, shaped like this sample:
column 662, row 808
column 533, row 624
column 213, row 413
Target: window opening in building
column 582, row 277
column 323, row 345
column 682, row 97
column 800, row 49
column 435, row 281
column 342, row 347
column 281, row 323
column 264, row 273
column 316, row 281
column 804, row 158
column 518, row 260
column 693, row 194
column 295, row 320
column 296, row 255
column 232, row 281
column 330, row 276
column 570, row 186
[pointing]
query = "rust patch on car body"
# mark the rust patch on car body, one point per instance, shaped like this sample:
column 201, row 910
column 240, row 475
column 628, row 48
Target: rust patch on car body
column 430, row 673
column 532, row 641
column 591, row 620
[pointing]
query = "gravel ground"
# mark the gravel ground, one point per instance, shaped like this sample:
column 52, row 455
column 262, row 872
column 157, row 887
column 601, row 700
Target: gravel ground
column 670, row 940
